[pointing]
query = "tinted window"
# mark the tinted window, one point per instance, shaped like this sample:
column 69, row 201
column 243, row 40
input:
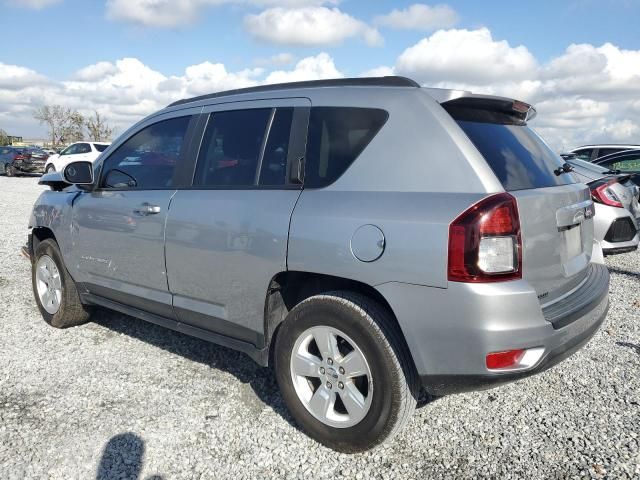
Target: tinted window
column 274, row 163
column 70, row 150
column 518, row 157
column 337, row 136
column 607, row 151
column 231, row 148
column 83, row 148
column 148, row 159
column 584, row 153
column 100, row 148
column 586, row 156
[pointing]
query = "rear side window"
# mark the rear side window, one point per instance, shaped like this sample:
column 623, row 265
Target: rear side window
column 607, row 151
column 584, row 154
column 83, row 148
column 100, row 148
column 148, row 159
column 231, row 148
column 517, row 156
column 337, row 136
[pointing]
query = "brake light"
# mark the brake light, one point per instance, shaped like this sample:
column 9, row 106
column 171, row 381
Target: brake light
column 485, row 243
column 19, row 157
column 601, row 193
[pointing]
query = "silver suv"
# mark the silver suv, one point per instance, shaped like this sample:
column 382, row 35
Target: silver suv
column 366, row 237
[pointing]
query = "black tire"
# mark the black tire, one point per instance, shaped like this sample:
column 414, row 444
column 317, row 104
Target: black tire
column 9, row 170
column 71, row 311
column 396, row 385
column 50, row 169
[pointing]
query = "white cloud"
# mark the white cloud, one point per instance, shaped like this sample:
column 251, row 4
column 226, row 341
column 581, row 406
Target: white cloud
column 419, row 17
column 176, row 13
column 381, row 71
column 14, row 77
column 157, row 13
column 311, row 68
column 309, row 26
column 466, row 56
column 33, row 4
column 126, row 90
column 586, row 94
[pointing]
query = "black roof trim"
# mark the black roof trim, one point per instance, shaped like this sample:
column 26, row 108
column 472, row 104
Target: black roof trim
column 390, row 81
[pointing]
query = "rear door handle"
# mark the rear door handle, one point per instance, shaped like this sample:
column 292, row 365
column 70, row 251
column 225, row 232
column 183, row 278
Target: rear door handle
column 147, row 209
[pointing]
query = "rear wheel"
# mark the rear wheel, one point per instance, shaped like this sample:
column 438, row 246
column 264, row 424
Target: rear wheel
column 345, row 372
column 50, row 169
column 54, row 290
column 9, row 170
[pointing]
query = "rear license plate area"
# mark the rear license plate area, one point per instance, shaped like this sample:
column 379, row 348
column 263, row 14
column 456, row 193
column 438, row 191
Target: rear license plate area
column 573, row 242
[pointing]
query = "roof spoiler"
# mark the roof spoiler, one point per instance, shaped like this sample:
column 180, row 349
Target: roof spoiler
column 490, row 109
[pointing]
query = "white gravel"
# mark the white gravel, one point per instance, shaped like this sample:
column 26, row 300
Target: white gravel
column 120, row 398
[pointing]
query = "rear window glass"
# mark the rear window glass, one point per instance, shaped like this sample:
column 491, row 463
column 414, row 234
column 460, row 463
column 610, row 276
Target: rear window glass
column 515, row 153
column 337, row 136
column 100, row 148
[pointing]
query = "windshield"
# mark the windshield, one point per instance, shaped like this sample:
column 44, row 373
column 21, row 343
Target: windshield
column 517, row 155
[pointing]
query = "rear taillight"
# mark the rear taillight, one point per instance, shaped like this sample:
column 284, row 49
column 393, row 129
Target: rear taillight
column 19, row 158
column 601, row 193
column 485, row 243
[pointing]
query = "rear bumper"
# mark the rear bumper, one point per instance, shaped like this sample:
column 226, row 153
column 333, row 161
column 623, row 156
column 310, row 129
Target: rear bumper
column 615, row 229
column 450, row 331
column 28, row 167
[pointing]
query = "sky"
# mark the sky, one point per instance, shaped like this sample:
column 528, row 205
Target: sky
column 577, row 61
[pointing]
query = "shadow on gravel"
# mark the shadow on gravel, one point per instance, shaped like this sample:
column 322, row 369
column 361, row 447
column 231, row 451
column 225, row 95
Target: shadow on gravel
column 122, row 458
column 626, row 273
column 261, row 380
column 632, row 346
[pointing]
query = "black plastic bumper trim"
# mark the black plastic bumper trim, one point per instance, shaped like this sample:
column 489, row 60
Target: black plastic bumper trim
column 582, row 301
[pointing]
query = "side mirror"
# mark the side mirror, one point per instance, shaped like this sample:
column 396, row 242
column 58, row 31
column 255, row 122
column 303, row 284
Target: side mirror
column 53, row 180
column 78, row 173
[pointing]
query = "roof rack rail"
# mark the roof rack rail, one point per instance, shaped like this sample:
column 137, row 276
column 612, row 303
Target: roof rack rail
column 389, row 81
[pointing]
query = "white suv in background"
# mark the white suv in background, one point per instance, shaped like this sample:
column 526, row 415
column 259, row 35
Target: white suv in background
column 87, row 151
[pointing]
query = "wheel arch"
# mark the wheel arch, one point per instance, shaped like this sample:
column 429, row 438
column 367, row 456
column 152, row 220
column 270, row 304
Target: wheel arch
column 39, row 234
column 287, row 289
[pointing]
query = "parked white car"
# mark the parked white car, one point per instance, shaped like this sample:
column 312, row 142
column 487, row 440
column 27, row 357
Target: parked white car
column 87, row 151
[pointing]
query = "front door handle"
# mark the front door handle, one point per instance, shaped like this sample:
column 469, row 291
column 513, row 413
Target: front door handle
column 147, row 209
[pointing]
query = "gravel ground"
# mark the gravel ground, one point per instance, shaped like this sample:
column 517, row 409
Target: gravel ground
column 119, row 398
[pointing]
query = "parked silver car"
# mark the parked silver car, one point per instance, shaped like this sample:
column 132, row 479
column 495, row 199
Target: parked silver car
column 365, row 237
column 617, row 218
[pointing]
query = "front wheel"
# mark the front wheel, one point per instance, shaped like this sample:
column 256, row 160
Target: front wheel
column 345, row 371
column 50, row 169
column 54, row 290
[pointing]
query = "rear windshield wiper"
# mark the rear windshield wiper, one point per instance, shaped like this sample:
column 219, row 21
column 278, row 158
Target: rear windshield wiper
column 613, row 172
column 566, row 168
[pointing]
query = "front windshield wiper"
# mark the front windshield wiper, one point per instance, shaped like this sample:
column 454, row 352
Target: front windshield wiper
column 566, row 168
column 613, row 172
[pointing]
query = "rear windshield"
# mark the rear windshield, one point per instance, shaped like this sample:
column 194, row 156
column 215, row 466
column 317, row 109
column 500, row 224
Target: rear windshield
column 515, row 153
column 100, row 148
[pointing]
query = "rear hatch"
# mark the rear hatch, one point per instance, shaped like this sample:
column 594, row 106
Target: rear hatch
column 555, row 210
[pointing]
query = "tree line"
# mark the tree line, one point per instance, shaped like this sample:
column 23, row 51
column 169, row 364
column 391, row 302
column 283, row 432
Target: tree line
column 66, row 125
